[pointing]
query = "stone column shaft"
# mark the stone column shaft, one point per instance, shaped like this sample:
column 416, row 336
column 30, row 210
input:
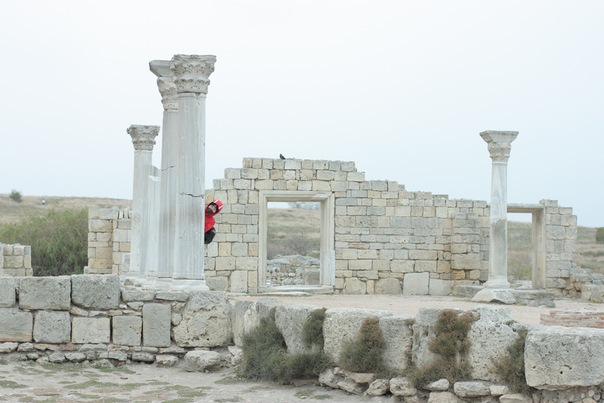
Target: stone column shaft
column 143, row 139
column 191, row 76
column 168, row 177
column 499, row 144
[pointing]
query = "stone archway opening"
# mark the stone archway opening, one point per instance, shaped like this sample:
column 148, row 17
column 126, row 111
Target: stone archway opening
column 534, row 246
column 321, row 280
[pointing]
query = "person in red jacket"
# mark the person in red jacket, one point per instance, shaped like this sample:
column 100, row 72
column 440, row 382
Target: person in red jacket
column 212, row 209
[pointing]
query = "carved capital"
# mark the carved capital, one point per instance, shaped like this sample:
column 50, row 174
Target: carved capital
column 165, row 83
column 499, row 144
column 143, row 137
column 191, row 72
column 167, row 89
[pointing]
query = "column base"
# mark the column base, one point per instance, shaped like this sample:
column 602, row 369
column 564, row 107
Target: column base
column 186, row 284
column 504, row 296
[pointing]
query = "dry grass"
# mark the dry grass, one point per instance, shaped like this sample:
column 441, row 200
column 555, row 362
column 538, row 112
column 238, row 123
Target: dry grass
column 32, row 206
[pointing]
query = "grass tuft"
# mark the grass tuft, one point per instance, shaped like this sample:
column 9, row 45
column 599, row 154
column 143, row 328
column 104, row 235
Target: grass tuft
column 265, row 355
column 450, row 344
column 511, row 367
column 365, row 352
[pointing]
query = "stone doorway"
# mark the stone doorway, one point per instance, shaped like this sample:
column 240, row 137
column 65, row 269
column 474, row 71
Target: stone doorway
column 538, row 257
column 326, row 279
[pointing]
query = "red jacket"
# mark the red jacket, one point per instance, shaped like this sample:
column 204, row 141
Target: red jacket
column 210, row 221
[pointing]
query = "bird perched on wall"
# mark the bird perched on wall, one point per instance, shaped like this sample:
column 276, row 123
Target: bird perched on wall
column 281, row 156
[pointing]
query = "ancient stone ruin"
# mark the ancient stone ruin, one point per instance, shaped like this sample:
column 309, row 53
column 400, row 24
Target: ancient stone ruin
column 152, row 293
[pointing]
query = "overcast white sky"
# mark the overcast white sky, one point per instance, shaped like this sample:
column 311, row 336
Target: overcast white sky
column 402, row 88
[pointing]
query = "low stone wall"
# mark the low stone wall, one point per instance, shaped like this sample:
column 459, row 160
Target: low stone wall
column 574, row 318
column 15, row 260
column 84, row 318
column 108, row 240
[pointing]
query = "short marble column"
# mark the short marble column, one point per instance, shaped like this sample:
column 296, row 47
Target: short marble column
column 191, row 76
column 143, row 139
column 168, row 178
column 499, row 145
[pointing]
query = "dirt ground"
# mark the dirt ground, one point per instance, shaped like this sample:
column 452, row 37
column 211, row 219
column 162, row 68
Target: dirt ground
column 62, row 383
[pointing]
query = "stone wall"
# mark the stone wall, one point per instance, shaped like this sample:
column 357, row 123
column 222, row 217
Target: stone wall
column 15, row 260
column 91, row 318
column 108, row 240
column 384, row 239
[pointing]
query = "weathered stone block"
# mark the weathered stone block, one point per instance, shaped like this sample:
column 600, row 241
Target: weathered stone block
column 157, row 320
column 206, row 321
column 342, row 325
column 52, row 327
column 90, row 330
column 96, row 291
column 201, row 360
column 8, row 291
column 559, row 357
column 127, row 330
column 52, row 293
column 489, row 337
column 15, row 325
column 240, row 320
column 416, row 284
column 440, row 287
column 398, row 334
column 290, row 321
column 388, row 286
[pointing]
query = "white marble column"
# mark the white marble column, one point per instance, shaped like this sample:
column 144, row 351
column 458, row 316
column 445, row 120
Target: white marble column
column 168, row 178
column 500, row 145
column 143, row 139
column 150, row 226
column 191, row 76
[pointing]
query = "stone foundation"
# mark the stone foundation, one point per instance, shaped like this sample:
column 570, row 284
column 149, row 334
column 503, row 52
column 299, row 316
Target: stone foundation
column 90, row 318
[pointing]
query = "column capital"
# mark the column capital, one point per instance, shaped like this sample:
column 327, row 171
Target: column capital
column 143, row 137
column 499, row 143
column 165, row 83
column 191, row 72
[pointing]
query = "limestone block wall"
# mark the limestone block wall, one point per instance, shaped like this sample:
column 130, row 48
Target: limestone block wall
column 15, row 260
column 560, row 241
column 90, row 317
column 108, row 240
column 386, row 239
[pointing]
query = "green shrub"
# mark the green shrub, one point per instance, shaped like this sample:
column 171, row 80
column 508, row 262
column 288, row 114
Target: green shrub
column 511, row 367
column 365, row 352
column 59, row 241
column 265, row 355
column 451, row 345
column 600, row 235
column 312, row 331
column 15, row 196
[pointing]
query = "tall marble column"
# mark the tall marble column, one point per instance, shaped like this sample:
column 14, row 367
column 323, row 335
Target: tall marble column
column 169, row 155
column 191, row 76
column 143, row 139
column 499, row 145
